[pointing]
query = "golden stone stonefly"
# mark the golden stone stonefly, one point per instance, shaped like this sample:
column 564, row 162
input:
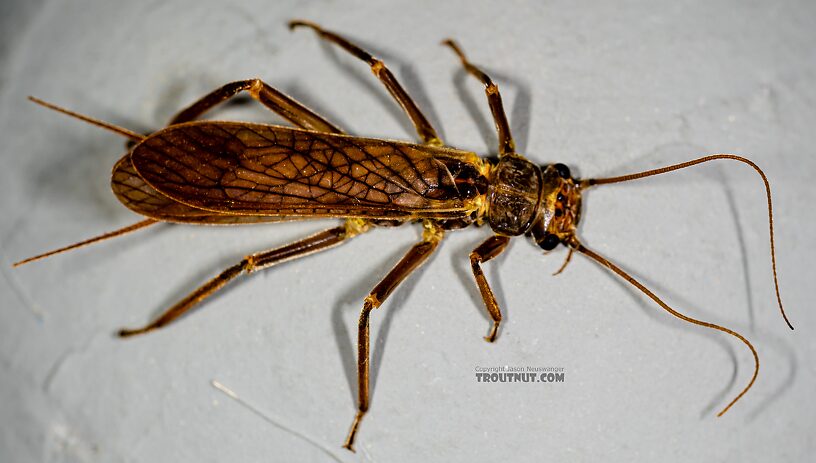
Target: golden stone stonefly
column 232, row 173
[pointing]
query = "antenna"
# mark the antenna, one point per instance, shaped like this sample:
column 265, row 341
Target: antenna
column 574, row 243
column 683, row 165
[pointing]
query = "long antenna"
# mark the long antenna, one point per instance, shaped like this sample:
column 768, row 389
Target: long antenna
column 601, row 260
column 683, row 165
column 121, row 231
column 113, row 128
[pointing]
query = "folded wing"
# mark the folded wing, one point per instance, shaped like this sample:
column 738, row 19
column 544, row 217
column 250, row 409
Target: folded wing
column 138, row 196
column 239, row 168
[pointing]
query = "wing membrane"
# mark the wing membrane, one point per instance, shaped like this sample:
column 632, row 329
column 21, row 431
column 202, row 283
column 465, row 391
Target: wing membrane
column 262, row 170
column 138, row 196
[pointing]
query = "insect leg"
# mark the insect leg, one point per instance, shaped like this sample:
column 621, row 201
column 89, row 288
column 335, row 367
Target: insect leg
column 290, row 109
column 423, row 126
column 506, row 144
column 431, row 237
column 489, row 249
column 251, row 263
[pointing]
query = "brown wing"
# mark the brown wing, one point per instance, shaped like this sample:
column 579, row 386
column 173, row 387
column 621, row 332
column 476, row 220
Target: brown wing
column 138, row 196
column 262, row 170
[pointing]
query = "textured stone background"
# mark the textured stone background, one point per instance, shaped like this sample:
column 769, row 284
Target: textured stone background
column 608, row 89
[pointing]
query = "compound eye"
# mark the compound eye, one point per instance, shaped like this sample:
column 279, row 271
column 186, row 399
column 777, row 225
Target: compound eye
column 467, row 190
column 548, row 242
column 563, row 171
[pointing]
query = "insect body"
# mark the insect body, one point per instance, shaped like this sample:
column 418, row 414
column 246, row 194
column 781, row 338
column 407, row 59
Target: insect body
column 205, row 172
